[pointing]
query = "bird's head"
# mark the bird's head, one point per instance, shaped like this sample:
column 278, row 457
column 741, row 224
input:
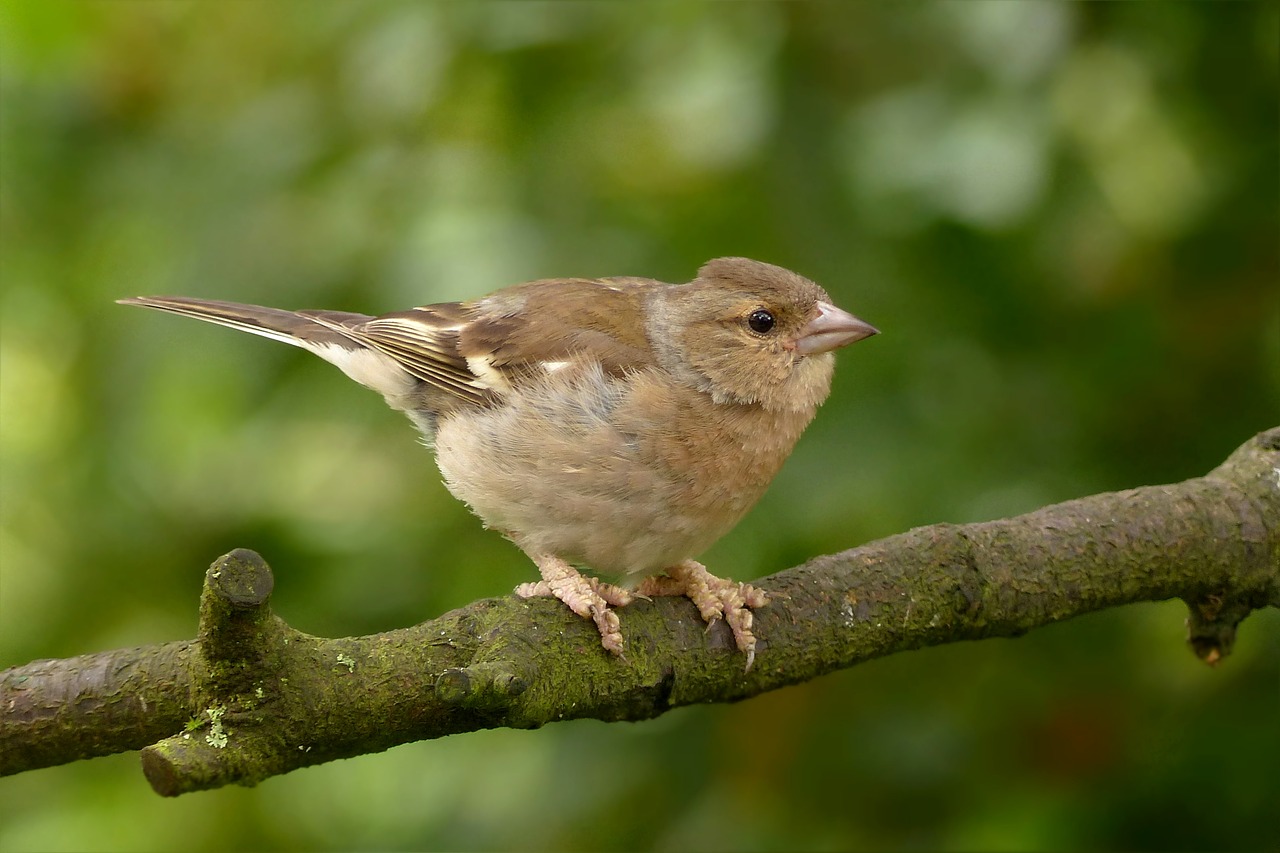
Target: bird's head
column 750, row 332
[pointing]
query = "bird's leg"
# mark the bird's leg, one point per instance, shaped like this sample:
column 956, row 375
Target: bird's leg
column 715, row 598
column 587, row 597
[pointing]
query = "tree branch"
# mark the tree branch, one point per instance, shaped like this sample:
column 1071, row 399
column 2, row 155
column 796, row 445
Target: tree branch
column 251, row 698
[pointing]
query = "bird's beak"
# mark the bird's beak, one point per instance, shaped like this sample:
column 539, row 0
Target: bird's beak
column 831, row 329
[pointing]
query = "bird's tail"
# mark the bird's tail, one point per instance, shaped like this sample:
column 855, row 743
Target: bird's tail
column 333, row 335
column 310, row 330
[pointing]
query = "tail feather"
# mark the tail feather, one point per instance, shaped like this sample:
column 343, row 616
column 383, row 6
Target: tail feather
column 332, row 335
column 285, row 326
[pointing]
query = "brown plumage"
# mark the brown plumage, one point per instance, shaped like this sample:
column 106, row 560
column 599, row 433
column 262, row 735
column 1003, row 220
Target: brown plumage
column 620, row 424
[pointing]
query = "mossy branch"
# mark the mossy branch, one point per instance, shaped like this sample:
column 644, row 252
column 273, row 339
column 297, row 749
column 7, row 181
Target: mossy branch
column 252, row 698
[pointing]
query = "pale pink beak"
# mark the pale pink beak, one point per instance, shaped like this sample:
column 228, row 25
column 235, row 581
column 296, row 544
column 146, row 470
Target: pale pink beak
column 831, row 329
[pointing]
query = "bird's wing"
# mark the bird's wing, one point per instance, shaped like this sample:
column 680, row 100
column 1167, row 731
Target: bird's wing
column 423, row 341
column 473, row 352
column 523, row 329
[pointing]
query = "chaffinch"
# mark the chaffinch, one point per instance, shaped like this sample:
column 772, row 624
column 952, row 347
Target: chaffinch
column 620, row 424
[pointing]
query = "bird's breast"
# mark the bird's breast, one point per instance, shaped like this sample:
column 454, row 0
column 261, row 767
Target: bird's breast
column 625, row 474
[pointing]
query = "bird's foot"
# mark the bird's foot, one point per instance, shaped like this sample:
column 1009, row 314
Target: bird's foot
column 614, row 595
column 587, row 597
column 715, row 598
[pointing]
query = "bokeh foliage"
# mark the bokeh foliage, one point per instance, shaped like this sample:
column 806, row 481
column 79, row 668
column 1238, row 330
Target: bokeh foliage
column 1063, row 216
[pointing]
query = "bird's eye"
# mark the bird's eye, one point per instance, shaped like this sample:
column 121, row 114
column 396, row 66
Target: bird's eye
column 760, row 321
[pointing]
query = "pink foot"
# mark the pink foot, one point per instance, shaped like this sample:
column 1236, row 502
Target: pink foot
column 715, row 598
column 587, row 597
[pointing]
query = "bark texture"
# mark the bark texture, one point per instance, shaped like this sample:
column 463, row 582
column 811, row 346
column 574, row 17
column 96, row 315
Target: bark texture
column 251, row 697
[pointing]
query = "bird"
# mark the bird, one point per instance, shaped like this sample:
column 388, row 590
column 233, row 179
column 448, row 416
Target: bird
column 618, row 426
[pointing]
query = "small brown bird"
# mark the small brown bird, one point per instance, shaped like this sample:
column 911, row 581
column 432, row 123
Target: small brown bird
column 619, row 424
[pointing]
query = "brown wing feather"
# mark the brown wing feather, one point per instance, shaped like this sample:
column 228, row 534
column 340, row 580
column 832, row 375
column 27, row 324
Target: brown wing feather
column 424, row 341
column 513, row 332
column 530, row 324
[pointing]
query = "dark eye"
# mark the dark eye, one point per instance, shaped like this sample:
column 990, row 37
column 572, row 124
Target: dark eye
column 760, row 321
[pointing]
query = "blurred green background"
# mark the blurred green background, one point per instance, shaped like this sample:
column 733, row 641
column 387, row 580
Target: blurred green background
column 1063, row 217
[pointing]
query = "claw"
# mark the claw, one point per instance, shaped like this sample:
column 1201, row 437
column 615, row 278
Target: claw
column 716, row 599
column 587, row 597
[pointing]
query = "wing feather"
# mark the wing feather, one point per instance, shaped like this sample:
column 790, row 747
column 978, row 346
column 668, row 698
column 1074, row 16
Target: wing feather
column 426, row 350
